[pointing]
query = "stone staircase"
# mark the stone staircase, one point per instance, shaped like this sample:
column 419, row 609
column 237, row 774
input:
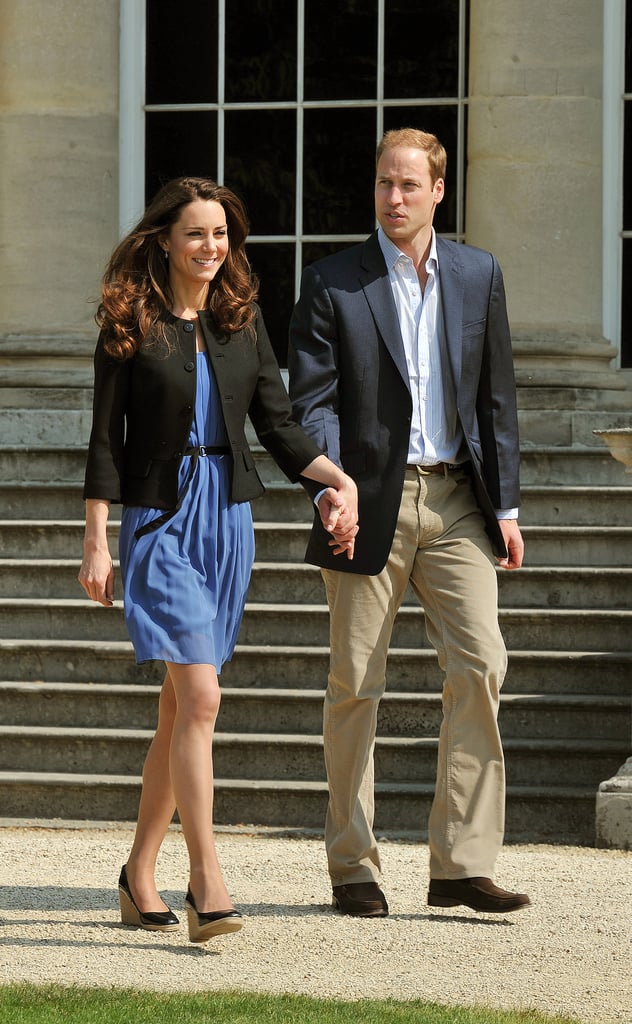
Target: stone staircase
column 77, row 713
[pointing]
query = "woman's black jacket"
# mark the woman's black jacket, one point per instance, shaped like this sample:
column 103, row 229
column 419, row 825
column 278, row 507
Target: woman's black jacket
column 143, row 410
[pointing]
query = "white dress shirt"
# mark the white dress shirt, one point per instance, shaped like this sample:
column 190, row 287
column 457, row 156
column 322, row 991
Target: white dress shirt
column 435, row 434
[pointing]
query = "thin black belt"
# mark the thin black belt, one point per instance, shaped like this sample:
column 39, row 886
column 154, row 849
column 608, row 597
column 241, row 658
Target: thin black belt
column 207, row 449
column 200, row 451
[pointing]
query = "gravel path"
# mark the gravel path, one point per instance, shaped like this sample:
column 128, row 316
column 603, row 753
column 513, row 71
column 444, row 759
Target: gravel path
column 568, row 954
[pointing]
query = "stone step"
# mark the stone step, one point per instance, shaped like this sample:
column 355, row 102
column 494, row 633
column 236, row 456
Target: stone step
column 286, row 542
column 67, row 397
column 36, row 464
column 523, row 628
column 557, row 505
column 61, row 499
column 296, row 757
column 534, row 813
column 35, row 427
column 574, row 465
column 540, row 465
column 283, row 502
column 552, row 587
column 539, row 716
column 91, row 662
column 48, row 538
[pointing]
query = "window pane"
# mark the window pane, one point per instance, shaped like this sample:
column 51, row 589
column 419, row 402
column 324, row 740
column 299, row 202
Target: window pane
column 181, row 64
column 340, row 50
column 339, row 171
column 442, row 122
column 260, row 160
column 421, row 48
column 627, row 166
column 313, row 251
column 179, row 144
column 260, row 50
column 274, row 264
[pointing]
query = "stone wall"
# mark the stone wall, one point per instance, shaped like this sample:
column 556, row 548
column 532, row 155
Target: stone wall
column 59, row 163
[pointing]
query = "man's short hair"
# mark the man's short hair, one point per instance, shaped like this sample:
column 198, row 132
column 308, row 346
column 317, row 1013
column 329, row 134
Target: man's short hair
column 414, row 138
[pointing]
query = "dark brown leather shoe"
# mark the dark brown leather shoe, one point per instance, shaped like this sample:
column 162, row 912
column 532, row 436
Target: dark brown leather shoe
column 360, row 899
column 478, row 893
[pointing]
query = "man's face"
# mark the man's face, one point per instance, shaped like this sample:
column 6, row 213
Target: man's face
column 405, row 196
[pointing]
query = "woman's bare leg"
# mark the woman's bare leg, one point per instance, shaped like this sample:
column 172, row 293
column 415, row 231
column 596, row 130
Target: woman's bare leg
column 197, row 696
column 156, row 808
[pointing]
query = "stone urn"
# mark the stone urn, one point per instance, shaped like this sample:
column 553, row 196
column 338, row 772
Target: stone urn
column 613, row 824
column 619, row 441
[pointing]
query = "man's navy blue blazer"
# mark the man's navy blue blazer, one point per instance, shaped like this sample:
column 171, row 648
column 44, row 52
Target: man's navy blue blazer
column 350, row 390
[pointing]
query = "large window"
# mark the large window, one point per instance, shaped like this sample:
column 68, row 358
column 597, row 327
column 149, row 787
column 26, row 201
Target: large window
column 284, row 100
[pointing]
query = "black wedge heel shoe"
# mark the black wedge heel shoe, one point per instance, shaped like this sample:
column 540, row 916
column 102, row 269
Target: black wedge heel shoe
column 203, row 927
column 164, row 921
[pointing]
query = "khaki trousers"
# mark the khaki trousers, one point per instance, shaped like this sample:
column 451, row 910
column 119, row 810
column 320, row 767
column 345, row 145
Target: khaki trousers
column 441, row 548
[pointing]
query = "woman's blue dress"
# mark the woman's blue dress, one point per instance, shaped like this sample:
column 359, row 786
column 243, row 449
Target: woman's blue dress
column 185, row 583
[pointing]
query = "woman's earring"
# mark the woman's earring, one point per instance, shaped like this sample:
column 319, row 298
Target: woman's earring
column 166, row 254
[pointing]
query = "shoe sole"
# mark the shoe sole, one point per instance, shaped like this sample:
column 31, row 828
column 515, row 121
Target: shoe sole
column 357, row 913
column 202, row 933
column 130, row 916
column 448, row 901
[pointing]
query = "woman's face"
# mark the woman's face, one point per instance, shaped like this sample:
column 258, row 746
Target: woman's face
column 197, row 244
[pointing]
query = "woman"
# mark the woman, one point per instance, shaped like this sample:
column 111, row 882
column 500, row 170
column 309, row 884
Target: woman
column 182, row 357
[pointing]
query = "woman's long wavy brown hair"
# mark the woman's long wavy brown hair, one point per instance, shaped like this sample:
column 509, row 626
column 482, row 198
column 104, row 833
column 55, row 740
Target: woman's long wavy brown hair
column 136, row 297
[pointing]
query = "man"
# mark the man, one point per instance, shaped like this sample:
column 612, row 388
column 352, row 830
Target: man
column 401, row 370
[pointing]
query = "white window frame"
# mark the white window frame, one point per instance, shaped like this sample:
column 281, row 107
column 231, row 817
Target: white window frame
column 612, row 196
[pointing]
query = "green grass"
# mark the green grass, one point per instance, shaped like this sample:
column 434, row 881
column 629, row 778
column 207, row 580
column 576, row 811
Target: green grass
column 49, row 1004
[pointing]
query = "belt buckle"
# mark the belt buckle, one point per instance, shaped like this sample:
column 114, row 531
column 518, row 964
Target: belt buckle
column 202, row 450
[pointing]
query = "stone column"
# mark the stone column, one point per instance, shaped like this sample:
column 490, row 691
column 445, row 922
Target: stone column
column 58, row 208
column 59, row 144
column 534, row 199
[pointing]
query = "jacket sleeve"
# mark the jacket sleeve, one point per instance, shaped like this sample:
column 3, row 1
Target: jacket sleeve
column 496, row 404
column 270, row 412
column 313, row 365
column 104, row 468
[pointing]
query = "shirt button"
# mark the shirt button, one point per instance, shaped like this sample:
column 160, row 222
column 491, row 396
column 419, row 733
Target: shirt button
column 188, row 328
column 189, row 367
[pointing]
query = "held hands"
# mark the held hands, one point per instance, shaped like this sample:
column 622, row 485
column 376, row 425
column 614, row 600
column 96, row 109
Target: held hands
column 339, row 515
column 514, row 542
column 96, row 576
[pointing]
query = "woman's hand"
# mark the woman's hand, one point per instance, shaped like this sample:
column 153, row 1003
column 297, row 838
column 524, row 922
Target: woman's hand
column 339, row 515
column 96, row 576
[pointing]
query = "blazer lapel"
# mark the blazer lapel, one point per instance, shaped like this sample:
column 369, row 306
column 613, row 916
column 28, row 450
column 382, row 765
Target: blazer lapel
column 452, row 287
column 377, row 289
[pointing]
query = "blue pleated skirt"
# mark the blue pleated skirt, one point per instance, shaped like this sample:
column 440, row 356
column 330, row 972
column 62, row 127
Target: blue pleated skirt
column 185, row 583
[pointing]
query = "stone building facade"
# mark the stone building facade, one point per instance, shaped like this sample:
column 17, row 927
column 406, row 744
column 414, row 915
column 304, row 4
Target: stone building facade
column 543, row 185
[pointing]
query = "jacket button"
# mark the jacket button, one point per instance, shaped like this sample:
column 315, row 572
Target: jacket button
column 189, row 367
column 177, row 455
column 188, row 328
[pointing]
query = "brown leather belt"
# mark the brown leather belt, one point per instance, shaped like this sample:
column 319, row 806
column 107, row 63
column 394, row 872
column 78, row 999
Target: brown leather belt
column 437, row 467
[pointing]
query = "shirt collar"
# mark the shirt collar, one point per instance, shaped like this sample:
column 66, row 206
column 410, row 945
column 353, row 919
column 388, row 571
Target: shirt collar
column 392, row 253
